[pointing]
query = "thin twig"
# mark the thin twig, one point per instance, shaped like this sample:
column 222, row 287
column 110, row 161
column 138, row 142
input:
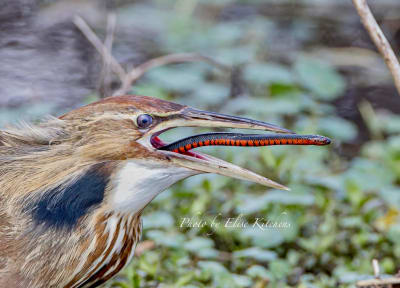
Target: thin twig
column 100, row 47
column 111, row 23
column 127, row 79
column 106, row 79
column 138, row 71
column 375, row 266
column 379, row 39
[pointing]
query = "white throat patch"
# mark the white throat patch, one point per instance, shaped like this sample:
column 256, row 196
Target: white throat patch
column 138, row 182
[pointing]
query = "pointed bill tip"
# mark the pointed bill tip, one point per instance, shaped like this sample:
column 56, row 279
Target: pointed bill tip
column 209, row 164
column 270, row 183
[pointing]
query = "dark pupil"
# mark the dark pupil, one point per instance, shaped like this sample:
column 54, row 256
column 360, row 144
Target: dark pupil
column 144, row 120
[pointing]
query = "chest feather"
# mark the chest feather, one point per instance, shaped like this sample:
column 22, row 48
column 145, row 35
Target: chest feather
column 109, row 251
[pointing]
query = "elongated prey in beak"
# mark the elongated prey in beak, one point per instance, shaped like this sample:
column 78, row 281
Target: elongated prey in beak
column 236, row 139
column 153, row 116
column 180, row 151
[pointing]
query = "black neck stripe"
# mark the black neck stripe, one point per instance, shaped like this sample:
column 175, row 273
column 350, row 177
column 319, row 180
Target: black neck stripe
column 64, row 205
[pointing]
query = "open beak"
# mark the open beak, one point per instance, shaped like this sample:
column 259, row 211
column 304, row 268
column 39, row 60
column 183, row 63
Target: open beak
column 179, row 152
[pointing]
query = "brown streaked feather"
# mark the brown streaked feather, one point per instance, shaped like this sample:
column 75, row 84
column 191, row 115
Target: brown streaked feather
column 107, row 270
column 124, row 104
column 35, row 159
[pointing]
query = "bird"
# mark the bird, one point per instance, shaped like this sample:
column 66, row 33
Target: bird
column 73, row 188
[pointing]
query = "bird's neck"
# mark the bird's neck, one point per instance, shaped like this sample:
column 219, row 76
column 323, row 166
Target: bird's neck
column 137, row 182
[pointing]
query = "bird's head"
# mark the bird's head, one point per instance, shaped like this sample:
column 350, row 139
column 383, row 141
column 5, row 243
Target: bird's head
column 126, row 129
column 107, row 156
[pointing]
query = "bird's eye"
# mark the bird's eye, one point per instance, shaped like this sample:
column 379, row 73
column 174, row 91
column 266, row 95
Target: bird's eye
column 144, row 121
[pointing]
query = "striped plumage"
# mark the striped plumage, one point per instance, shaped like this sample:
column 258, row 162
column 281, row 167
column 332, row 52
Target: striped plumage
column 72, row 189
column 109, row 251
column 82, row 259
column 57, row 227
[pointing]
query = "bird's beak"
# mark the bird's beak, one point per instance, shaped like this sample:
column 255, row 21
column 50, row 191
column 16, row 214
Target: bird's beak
column 204, row 163
column 198, row 118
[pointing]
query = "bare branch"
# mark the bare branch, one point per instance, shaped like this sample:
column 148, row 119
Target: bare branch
column 105, row 78
column 138, row 71
column 127, row 79
column 379, row 39
column 111, row 24
column 100, row 47
column 375, row 266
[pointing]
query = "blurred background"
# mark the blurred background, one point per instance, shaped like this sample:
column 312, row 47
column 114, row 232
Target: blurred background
column 307, row 65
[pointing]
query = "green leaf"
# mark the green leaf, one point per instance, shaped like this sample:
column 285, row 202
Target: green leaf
column 264, row 74
column 280, row 268
column 181, row 78
column 198, row 243
column 213, row 267
column 263, row 106
column 208, row 94
column 319, row 77
column 152, row 90
column 225, row 33
column 120, row 285
column 349, row 277
column 241, row 280
column 254, row 204
column 394, row 233
column 256, row 253
column 257, row 271
column 235, row 55
column 166, row 239
column 388, row 122
column 277, row 89
column 366, row 174
column 391, row 195
column 267, row 238
column 207, row 253
column 337, row 128
column 158, row 220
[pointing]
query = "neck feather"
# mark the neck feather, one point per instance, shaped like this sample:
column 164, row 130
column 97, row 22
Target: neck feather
column 138, row 182
column 65, row 204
